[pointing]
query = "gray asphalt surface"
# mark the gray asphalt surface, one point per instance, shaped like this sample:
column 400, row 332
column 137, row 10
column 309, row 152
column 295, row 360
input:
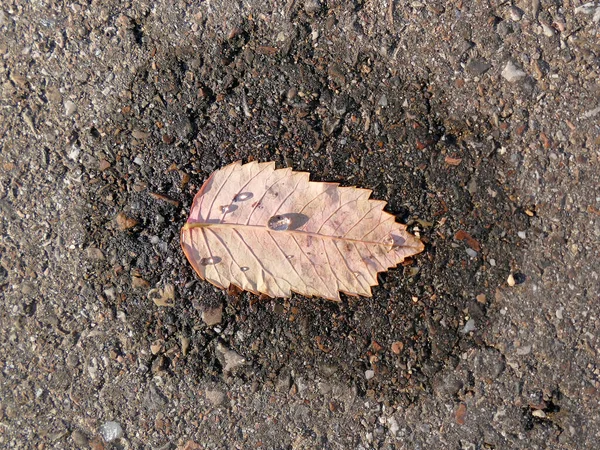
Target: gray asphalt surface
column 476, row 121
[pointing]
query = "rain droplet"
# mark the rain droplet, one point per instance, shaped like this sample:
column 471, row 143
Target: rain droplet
column 227, row 208
column 289, row 256
column 244, row 268
column 279, row 223
column 210, row 261
column 243, row 196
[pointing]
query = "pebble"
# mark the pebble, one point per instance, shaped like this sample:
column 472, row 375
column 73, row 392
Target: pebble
column 95, row 254
column 111, row 431
column 511, row 280
column 184, row 128
column 80, row 439
column 469, row 326
column 139, row 282
column 515, row 13
column 103, row 165
column 383, row 101
column 284, row 381
column 477, row 66
column 185, row 345
column 124, row 222
column 587, row 8
column 591, row 113
column 231, row 360
column 369, row 374
column 156, row 347
column 312, row 7
column 212, row 316
column 397, row 347
column 461, row 414
column 524, row 350
column 472, row 253
column 448, row 385
column 26, row 288
column 547, row 29
column 165, row 297
column 110, row 293
column 215, row 396
column 139, row 134
column 70, row 108
column 522, row 234
column 393, row 425
column 512, row 73
column 292, row 93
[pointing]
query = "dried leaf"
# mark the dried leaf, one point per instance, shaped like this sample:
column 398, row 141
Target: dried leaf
column 273, row 232
column 165, row 297
column 462, row 235
column 451, row 161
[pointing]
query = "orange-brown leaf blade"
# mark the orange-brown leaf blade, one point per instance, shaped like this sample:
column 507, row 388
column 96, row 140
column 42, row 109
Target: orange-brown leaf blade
column 275, row 232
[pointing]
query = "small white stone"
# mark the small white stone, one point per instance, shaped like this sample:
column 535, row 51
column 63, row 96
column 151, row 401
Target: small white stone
column 230, row 359
column 70, row 108
column 512, row 73
column 515, row 14
column 511, row 280
column 587, row 8
column 215, row 396
column 369, row 374
column 469, row 326
column 522, row 234
column 393, row 425
column 74, row 153
column 524, row 350
column 548, row 30
column 111, row 431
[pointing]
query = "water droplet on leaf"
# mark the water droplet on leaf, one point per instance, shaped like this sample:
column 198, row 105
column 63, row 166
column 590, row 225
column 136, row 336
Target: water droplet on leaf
column 289, row 256
column 244, row 268
column 279, row 223
column 243, row 196
column 210, row 261
column 227, row 208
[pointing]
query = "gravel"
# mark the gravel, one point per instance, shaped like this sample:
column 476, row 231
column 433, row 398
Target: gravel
column 476, row 122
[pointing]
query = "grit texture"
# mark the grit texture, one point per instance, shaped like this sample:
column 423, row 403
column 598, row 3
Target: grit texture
column 476, row 121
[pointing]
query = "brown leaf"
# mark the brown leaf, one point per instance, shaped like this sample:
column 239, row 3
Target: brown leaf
column 273, row 232
column 462, row 235
column 266, row 50
column 451, row 161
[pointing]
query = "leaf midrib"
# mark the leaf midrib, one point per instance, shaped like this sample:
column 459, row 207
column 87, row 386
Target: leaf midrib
column 193, row 225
